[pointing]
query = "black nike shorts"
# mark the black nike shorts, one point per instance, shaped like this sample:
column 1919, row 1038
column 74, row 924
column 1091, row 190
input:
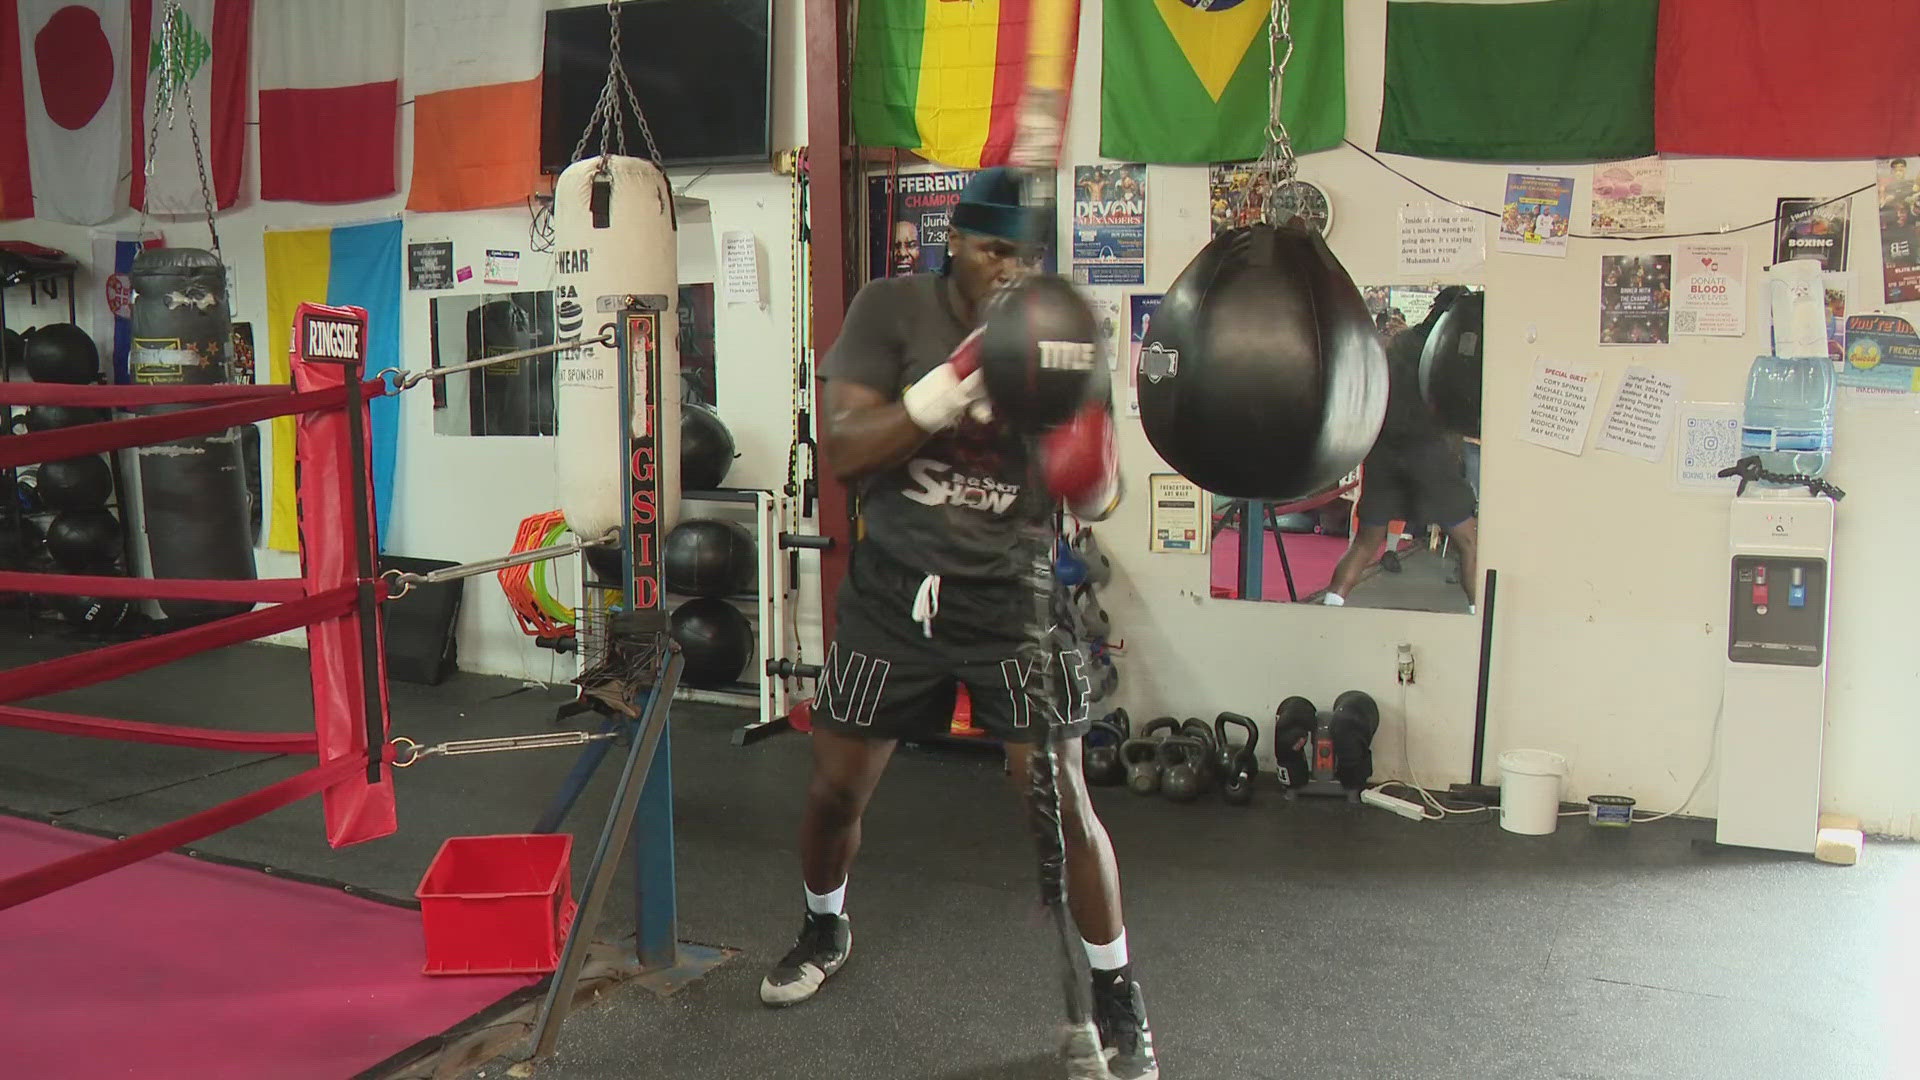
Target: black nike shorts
column 885, row 678
column 1420, row 485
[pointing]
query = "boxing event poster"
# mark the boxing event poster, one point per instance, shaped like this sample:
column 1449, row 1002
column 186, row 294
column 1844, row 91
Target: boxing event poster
column 1140, row 309
column 1636, row 292
column 1883, row 356
column 1804, row 229
column 1534, row 215
column 907, row 222
column 1110, row 224
column 1900, row 228
column 1630, row 197
column 1710, row 290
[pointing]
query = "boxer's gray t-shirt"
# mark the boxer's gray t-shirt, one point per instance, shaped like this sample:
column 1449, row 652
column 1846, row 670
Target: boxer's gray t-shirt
column 963, row 504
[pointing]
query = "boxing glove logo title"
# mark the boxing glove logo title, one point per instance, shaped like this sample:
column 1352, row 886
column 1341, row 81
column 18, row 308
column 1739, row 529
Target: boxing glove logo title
column 940, row 485
column 1067, row 356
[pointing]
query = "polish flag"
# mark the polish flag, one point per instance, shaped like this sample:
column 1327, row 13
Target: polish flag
column 76, row 106
column 329, row 99
column 211, row 42
column 473, row 68
column 16, row 180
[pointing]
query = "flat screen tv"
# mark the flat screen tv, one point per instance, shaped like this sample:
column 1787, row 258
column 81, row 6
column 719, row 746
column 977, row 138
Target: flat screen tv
column 701, row 69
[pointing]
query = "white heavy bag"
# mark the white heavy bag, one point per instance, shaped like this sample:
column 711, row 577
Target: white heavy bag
column 634, row 252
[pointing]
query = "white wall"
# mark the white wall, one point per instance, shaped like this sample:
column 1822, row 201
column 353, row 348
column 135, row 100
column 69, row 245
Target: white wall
column 463, row 498
column 1612, row 609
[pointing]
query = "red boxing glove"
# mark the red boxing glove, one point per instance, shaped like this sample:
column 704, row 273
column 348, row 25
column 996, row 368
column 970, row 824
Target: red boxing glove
column 1081, row 465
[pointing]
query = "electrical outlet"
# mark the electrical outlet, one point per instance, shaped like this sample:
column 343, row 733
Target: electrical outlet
column 1403, row 664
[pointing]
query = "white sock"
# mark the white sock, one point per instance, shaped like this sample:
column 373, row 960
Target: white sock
column 831, row 904
column 1109, row 957
column 1334, row 599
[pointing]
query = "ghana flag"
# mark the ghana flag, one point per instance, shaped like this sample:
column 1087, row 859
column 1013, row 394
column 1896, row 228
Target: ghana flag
column 943, row 78
column 1185, row 81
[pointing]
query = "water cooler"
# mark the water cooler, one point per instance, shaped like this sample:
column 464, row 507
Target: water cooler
column 1780, row 546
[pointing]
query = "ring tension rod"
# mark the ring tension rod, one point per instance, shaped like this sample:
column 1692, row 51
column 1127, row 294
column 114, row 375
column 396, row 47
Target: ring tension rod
column 409, row 379
column 408, row 752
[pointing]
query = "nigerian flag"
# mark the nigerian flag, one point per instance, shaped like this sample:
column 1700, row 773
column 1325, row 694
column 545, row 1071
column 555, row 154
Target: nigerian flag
column 1519, row 80
column 1185, row 81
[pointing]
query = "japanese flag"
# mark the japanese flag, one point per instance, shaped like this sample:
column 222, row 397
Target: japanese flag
column 73, row 68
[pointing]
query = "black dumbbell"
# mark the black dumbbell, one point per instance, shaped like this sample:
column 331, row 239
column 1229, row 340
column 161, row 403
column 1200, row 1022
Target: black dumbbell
column 1102, row 748
column 1239, row 768
column 1140, row 756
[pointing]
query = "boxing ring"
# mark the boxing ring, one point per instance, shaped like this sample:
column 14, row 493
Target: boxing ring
column 337, row 599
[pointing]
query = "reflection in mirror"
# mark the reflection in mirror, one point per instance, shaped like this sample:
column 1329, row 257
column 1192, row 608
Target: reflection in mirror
column 1403, row 530
column 514, row 398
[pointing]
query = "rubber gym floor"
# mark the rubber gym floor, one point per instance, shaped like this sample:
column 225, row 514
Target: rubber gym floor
column 1314, row 940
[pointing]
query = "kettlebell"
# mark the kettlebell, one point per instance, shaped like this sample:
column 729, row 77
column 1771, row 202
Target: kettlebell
column 1199, row 731
column 1182, row 759
column 1239, row 768
column 1103, row 676
column 1141, row 756
column 1293, row 724
column 1101, row 748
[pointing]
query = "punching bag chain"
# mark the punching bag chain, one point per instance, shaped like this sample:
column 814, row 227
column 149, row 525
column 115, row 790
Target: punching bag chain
column 172, row 75
column 1278, row 160
column 606, row 112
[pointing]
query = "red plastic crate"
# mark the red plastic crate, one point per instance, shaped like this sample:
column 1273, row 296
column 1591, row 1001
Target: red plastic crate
column 496, row 905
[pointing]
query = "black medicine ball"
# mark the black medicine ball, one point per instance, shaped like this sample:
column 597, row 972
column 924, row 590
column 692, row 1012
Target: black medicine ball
column 705, row 557
column 61, row 353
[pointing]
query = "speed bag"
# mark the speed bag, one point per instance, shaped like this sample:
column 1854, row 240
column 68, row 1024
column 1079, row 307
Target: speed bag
column 1450, row 365
column 1260, row 375
column 624, row 246
column 193, row 491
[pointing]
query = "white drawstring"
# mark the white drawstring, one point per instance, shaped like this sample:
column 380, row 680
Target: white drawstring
column 926, row 602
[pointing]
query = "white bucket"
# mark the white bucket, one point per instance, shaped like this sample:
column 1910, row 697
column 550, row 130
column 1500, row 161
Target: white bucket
column 1530, row 791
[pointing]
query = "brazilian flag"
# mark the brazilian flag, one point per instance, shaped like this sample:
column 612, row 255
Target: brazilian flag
column 1185, row 81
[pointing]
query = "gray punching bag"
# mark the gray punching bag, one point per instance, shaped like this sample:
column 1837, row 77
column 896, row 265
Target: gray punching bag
column 193, row 492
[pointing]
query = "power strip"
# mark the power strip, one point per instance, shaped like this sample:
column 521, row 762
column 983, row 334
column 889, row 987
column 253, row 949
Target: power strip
column 1409, row 810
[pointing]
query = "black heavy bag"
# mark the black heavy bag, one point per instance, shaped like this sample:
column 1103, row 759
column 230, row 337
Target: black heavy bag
column 193, row 493
column 1261, row 375
column 1450, row 364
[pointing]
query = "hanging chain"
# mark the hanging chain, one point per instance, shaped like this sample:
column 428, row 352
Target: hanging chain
column 172, row 78
column 1277, row 160
column 606, row 112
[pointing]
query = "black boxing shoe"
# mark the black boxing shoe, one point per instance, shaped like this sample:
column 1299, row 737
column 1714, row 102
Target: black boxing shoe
column 825, row 941
column 1120, row 1014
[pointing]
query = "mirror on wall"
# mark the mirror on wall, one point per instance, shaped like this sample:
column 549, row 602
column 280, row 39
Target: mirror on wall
column 514, row 398
column 1401, row 531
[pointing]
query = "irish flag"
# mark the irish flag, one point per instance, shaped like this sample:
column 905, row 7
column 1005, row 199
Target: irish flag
column 329, row 99
column 1520, row 80
column 473, row 68
column 944, row 78
column 210, row 48
column 1186, row 81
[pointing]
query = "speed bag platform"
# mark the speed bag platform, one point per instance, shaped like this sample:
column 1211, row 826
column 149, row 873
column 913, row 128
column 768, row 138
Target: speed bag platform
column 419, row 627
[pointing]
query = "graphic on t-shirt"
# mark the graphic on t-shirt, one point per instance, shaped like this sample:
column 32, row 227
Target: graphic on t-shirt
column 937, row 483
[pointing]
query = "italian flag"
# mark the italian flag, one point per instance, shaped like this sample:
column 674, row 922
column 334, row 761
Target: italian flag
column 945, row 78
column 1520, row 80
column 1831, row 81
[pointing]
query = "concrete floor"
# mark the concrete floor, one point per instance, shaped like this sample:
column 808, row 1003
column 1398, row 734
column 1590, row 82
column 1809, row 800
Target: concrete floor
column 1313, row 940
